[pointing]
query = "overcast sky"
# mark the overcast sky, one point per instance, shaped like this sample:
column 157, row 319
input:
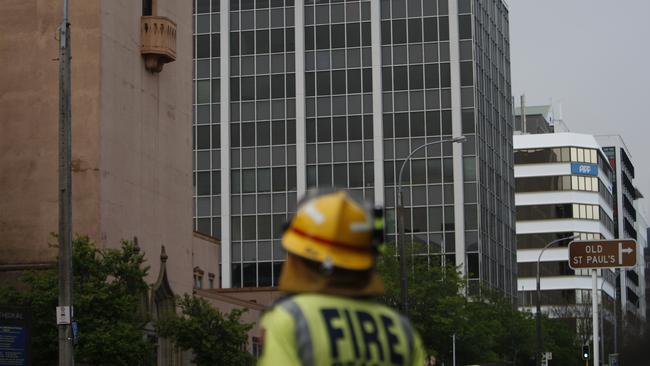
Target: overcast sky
column 593, row 57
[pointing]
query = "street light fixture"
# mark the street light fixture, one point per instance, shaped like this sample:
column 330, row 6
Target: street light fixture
column 538, row 315
column 400, row 221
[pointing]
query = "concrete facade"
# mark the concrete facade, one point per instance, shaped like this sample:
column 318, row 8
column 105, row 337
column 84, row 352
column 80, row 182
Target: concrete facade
column 130, row 134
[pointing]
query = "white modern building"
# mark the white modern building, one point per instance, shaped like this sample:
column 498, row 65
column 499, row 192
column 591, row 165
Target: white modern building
column 563, row 188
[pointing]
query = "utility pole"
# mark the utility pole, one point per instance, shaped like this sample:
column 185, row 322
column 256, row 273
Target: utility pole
column 64, row 310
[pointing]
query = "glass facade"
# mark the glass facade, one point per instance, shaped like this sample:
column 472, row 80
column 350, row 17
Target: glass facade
column 444, row 71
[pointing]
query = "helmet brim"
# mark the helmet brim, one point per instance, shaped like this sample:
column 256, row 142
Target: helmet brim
column 298, row 277
column 315, row 250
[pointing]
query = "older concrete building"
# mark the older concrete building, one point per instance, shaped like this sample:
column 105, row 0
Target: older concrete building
column 131, row 136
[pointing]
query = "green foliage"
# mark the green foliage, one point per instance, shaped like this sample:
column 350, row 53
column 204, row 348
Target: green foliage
column 108, row 288
column 214, row 338
column 488, row 328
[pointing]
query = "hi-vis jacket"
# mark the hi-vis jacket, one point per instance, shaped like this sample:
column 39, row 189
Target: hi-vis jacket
column 325, row 330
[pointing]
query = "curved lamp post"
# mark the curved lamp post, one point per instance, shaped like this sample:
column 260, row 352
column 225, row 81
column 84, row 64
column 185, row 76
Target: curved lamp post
column 400, row 221
column 538, row 315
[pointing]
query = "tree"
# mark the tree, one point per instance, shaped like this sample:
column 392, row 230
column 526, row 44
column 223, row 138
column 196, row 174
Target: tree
column 108, row 288
column 214, row 338
column 488, row 327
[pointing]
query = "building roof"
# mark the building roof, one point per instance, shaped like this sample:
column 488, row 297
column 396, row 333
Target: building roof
column 544, row 110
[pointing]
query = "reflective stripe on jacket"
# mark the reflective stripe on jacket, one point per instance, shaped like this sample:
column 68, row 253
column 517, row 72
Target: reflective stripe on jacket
column 326, row 330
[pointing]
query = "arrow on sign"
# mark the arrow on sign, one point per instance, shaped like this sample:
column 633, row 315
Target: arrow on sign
column 627, row 250
column 621, row 251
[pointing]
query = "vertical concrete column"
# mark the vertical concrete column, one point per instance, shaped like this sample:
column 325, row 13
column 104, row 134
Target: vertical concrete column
column 377, row 107
column 456, row 129
column 301, row 165
column 226, row 247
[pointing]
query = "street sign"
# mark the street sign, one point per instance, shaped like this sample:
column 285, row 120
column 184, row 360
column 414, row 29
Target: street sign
column 602, row 254
column 15, row 333
column 613, row 359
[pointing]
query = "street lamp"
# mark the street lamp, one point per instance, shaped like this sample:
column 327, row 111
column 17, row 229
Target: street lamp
column 538, row 315
column 400, row 221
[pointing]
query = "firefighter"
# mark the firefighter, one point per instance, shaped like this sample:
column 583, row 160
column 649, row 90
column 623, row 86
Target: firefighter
column 329, row 316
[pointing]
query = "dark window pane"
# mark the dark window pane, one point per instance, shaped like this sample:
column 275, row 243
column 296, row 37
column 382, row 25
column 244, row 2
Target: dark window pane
column 291, row 40
column 367, row 126
column 291, row 85
column 338, row 82
column 248, row 134
column 263, row 133
column 216, row 45
column 415, row 77
column 203, row 46
column 356, row 175
column 277, row 40
column 417, row 124
column 418, row 172
column 433, row 123
column 279, row 179
column 310, row 84
column 216, row 185
column 265, row 271
column 236, row 275
column 446, row 122
column 277, row 133
column 262, row 41
column 261, row 4
column 263, row 87
column 354, row 81
column 203, row 137
column 247, row 43
column 277, row 86
column 234, row 134
column 250, row 274
column 248, row 88
column 309, row 38
column 444, row 28
column 339, row 129
column 322, row 37
column 291, row 131
column 400, row 78
column 291, row 178
column 367, row 80
column 430, row 29
column 388, row 125
column 354, row 128
column 263, row 180
column 310, row 127
column 385, row 32
column 216, row 136
column 399, row 31
column 401, row 125
column 340, row 175
column 354, row 34
column 434, row 171
column 467, row 118
column 365, row 34
column 432, row 78
column 323, row 83
column 234, row 89
column 465, row 26
column 324, row 130
column 445, row 76
column 203, row 183
column 338, row 35
column 415, row 30
column 387, row 78
column 324, row 175
column 466, row 73
column 234, row 43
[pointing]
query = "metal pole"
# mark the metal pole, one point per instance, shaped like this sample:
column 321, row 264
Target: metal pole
column 594, row 315
column 616, row 283
column 523, row 114
column 66, row 356
column 538, row 314
column 453, row 345
column 400, row 222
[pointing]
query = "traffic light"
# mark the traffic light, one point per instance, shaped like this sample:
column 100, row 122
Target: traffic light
column 586, row 352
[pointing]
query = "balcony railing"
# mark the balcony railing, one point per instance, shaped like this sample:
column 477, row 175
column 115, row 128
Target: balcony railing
column 158, row 41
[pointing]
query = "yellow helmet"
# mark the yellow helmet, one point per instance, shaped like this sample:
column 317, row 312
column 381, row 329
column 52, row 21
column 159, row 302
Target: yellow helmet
column 332, row 229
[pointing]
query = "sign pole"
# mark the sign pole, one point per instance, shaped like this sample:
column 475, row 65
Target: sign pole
column 594, row 315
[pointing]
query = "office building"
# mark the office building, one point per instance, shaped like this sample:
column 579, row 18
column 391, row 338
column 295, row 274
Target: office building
column 626, row 225
column 291, row 95
column 563, row 188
